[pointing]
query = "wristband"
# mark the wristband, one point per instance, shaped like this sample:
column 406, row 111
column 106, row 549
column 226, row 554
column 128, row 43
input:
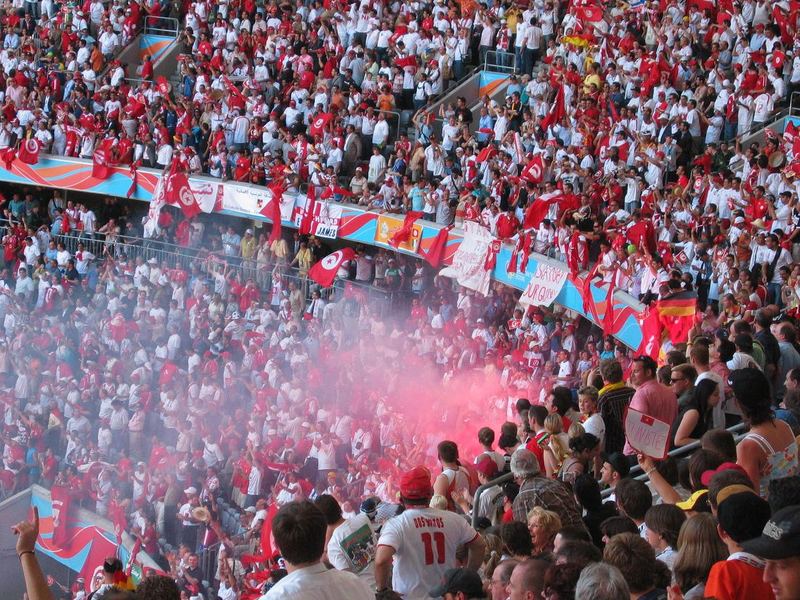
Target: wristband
column 21, row 554
column 649, row 471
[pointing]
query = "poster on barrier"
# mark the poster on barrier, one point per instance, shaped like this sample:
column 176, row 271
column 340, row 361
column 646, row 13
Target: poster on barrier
column 468, row 267
column 646, row 434
column 544, row 286
column 325, row 221
column 208, row 194
column 244, row 198
column 388, row 225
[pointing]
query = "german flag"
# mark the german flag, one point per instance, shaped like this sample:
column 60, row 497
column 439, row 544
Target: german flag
column 676, row 313
column 681, row 304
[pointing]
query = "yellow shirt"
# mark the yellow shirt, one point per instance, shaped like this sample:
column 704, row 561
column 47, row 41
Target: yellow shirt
column 304, row 260
column 280, row 249
column 248, row 247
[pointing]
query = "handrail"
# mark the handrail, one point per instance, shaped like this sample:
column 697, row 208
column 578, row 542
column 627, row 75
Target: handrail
column 160, row 30
column 498, row 66
column 677, row 453
column 496, row 481
column 736, row 429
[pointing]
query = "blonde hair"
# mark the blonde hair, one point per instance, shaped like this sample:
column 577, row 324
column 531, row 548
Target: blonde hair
column 547, row 519
column 552, row 425
column 575, row 430
column 438, row 501
column 494, row 553
column 699, row 547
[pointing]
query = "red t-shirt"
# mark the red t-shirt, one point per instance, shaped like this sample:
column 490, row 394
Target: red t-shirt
column 738, row 578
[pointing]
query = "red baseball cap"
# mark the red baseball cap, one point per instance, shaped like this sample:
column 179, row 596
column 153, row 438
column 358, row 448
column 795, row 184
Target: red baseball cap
column 416, row 484
column 487, row 466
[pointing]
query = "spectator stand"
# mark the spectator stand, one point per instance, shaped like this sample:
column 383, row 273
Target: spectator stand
column 356, row 225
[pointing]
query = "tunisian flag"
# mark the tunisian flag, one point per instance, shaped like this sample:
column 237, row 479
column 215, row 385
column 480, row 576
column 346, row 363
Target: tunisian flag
column 101, row 169
column 534, row 170
column 324, row 272
column 177, row 191
column 537, row 210
column 29, row 151
column 60, row 501
column 319, row 123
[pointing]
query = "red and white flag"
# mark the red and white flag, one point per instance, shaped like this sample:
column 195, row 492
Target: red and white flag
column 101, row 169
column 29, row 151
column 178, row 192
column 534, row 170
column 319, row 123
column 134, row 174
column 308, row 211
column 60, row 500
column 324, row 272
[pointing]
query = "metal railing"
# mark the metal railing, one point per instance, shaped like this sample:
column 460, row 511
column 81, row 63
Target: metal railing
column 499, row 61
column 209, row 262
column 162, row 26
column 738, row 432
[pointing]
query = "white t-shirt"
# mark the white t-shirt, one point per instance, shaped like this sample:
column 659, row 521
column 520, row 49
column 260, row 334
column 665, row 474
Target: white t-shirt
column 425, row 542
column 318, row 583
column 596, row 426
column 352, row 548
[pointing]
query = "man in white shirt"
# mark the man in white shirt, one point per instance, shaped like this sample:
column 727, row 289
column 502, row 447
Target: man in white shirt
column 299, row 530
column 422, row 541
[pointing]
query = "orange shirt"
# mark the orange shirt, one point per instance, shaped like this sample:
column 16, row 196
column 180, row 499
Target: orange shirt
column 738, row 578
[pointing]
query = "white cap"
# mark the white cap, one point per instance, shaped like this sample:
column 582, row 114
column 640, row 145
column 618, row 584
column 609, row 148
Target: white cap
column 190, row 491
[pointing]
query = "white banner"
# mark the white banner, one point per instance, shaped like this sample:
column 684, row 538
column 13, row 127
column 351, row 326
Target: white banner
column 544, row 286
column 245, row 198
column 207, row 193
column 647, row 434
column 468, row 261
column 326, row 219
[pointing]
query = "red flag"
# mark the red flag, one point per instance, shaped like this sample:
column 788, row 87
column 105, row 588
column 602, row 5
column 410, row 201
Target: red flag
column 486, row 154
column 557, row 112
column 334, row 190
column 677, row 313
column 308, row 211
column 100, row 160
column 520, row 245
column 134, row 108
column 526, row 252
column 134, row 174
column 651, row 334
column 589, row 13
column 608, row 317
column 534, row 170
column 537, row 209
column 178, row 192
column 435, row 254
column 404, row 233
column 237, row 99
column 60, row 500
column 318, row 125
column 324, row 272
column 162, row 85
column 117, row 515
column 8, row 155
column 491, row 254
column 273, row 211
column 267, row 549
column 29, row 151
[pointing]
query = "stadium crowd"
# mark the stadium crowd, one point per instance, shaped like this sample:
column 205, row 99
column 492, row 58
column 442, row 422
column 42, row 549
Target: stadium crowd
column 162, row 396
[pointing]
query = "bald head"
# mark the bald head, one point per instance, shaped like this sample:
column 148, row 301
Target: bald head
column 527, row 580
